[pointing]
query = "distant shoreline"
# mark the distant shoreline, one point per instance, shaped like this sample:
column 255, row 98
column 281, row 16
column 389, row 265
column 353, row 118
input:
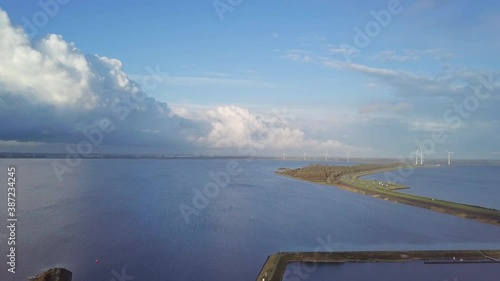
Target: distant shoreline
column 43, row 155
column 346, row 179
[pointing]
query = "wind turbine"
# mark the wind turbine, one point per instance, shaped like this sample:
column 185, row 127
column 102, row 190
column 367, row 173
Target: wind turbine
column 421, row 156
column 348, row 155
column 326, row 155
column 283, row 155
column 449, row 156
column 416, row 157
column 304, row 155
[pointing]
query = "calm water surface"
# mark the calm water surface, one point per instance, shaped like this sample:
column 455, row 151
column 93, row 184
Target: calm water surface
column 475, row 185
column 392, row 272
column 126, row 214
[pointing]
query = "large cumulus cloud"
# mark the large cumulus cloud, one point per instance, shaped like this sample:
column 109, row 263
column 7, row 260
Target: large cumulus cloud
column 51, row 92
column 49, row 72
column 237, row 127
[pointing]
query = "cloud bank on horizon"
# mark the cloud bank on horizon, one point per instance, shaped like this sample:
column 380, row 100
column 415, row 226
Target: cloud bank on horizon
column 300, row 90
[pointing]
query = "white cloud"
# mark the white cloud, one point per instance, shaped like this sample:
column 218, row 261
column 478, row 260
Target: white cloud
column 50, row 71
column 430, row 126
column 411, row 55
column 453, row 84
column 392, row 56
column 114, row 70
column 180, row 111
column 235, row 126
column 299, row 56
column 191, row 111
column 50, row 92
column 344, row 50
column 54, row 72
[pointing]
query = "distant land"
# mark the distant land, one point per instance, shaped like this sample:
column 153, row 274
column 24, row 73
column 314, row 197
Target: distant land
column 24, row 155
column 348, row 178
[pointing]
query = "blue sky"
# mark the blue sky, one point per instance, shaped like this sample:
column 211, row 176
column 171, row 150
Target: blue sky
column 274, row 75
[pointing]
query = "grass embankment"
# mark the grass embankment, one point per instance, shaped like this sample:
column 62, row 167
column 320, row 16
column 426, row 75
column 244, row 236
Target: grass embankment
column 275, row 266
column 347, row 177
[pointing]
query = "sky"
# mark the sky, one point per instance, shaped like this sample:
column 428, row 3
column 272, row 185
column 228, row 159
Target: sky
column 368, row 78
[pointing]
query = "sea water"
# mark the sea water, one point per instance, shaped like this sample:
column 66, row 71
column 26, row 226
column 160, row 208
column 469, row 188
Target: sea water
column 128, row 215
